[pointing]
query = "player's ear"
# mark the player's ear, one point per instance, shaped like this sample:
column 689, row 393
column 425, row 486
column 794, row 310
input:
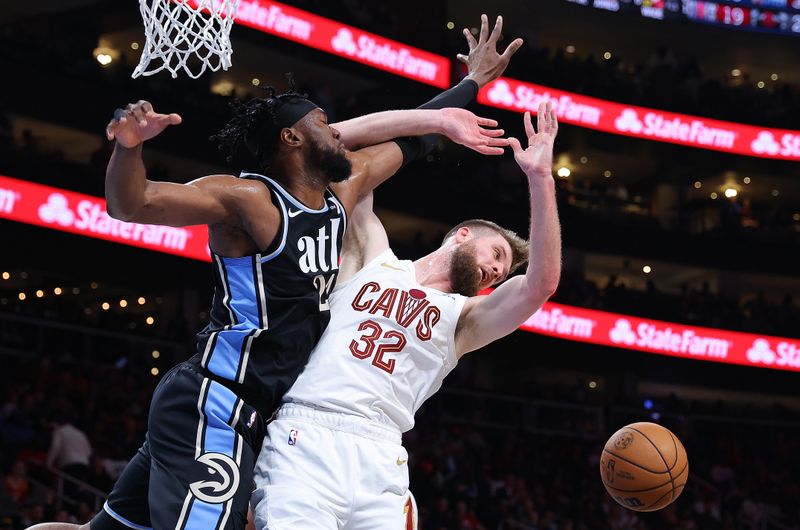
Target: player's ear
column 291, row 137
column 462, row 234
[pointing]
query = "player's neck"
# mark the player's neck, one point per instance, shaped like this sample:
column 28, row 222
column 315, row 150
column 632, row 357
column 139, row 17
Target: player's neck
column 433, row 270
column 305, row 183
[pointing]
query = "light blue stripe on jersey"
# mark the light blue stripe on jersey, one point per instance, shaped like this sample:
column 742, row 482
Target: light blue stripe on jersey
column 219, row 438
column 218, row 410
column 203, row 515
column 227, row 353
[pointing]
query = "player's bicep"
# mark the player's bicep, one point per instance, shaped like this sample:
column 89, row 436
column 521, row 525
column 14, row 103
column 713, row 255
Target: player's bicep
column 204, row 201
column 485, row 319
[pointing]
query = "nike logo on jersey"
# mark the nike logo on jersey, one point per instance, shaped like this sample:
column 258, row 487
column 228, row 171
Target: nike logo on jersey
column 294, row 213
column 400, row 461
column 390, row 267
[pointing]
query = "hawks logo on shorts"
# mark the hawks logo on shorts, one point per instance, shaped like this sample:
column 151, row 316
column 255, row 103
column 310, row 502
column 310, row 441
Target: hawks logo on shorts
column 222, row 482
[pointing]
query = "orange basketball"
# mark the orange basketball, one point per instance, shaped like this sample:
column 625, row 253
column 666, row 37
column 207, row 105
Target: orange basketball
column 644, row 466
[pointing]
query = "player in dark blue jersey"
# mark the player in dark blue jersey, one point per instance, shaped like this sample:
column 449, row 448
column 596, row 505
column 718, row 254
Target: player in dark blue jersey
column 275, row 242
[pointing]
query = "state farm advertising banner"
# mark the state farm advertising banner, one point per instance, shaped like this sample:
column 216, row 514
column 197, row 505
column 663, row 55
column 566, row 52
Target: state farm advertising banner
column 640, row 122
column 665, row 338
column 342, row 40
column 85, row 215
column 81, row 214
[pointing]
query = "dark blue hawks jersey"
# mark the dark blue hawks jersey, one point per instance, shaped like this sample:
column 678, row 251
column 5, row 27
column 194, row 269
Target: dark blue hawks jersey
column 270, row 309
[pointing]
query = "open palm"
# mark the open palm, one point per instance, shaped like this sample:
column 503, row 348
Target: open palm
column 537, row 159
column 137, row 123
column 465, row 128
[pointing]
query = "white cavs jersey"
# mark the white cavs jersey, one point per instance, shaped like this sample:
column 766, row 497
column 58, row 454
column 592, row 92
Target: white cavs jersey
column 389, row 345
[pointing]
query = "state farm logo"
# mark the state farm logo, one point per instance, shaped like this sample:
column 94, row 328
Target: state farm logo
column 500, row 93
column 274, row 19
column 628, row 121
column 8, row 199
column 528, row 97
column 556, row 321
column 622, row 333
column 343, row 42
column 367, row 49
column 90, row 216
column 677, row 128
column 650, row 336
column 760, row 352
column 785, row 354
column 766, row 144
column 56, row 210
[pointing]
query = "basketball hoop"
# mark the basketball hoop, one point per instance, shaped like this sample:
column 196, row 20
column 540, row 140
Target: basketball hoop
column 186, row 35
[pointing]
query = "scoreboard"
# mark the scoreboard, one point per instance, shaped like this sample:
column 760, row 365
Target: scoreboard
column 774, row 16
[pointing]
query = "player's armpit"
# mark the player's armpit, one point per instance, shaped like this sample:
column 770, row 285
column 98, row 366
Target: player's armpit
column 485, row 319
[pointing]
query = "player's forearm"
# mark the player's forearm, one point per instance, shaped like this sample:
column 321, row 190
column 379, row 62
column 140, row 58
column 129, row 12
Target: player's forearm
column 544, row 265
column 126, row 182
column 381, row 127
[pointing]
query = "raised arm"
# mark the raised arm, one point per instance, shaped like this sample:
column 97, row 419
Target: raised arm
column 132, row 197
column 487, row 318
column 484, row 64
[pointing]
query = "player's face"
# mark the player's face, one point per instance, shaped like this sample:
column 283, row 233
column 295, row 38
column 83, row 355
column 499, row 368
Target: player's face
column 325, row 149
column 478, row 263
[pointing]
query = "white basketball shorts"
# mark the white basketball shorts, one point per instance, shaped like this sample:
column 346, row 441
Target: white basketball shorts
column 330, row 471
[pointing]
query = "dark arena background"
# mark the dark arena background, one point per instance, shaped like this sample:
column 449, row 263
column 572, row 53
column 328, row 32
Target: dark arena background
column 677, row 170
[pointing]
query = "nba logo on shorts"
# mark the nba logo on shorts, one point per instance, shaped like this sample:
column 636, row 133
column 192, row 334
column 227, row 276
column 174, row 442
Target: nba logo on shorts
column 293, row 437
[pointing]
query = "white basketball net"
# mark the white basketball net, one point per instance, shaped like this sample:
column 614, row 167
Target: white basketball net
column 177, row 31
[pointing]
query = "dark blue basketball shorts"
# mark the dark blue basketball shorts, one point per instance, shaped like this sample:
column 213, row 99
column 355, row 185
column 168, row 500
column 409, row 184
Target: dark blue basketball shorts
column 195, row 468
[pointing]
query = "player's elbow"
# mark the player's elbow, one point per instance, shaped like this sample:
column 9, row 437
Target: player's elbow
column 123, row 210
column 541, row 289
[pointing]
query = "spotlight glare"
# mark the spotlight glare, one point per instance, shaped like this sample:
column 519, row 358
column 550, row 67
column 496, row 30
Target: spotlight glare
column 141, row 300
column 746, row 180
column 154, row 370
column 39, row 293
column 647, row 269
column 713, row 194
column 563, row 172
column 150, row 321
column 106, row 306
column 697, row 184
column 22, row 296
column 123, row 303
column 607, row 173
column 6, row 275
column 731, row 193
column 450, row 25
column 57, row 291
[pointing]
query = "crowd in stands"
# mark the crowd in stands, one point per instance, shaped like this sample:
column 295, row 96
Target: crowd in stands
column 464, row 477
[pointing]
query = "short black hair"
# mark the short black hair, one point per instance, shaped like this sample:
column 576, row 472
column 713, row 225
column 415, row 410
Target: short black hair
column 251, row 136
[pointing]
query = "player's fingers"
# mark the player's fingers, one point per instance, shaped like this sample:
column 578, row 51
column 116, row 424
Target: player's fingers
column 512, row 48
column 486, row 122
column 515, row 145
column 486, row 150
column 138, row 114
column 554, row 117
column 175, row 119
column 497, row 142
column 463, row 58
column 470, row 39
column 529, row 132
column 146, row 106
column 492, row 133
column 497, row 32
column 541, row 117
column 484, row 34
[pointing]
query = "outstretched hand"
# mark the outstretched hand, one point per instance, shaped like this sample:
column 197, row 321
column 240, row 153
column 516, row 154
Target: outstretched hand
column 537, row 159
column 465, row 128
column 483, row 61
column 137, row 123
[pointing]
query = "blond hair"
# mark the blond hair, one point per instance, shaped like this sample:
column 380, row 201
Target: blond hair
column 519, row 246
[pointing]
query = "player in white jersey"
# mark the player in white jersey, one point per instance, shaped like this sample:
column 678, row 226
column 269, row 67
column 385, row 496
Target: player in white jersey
column 333, row 458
